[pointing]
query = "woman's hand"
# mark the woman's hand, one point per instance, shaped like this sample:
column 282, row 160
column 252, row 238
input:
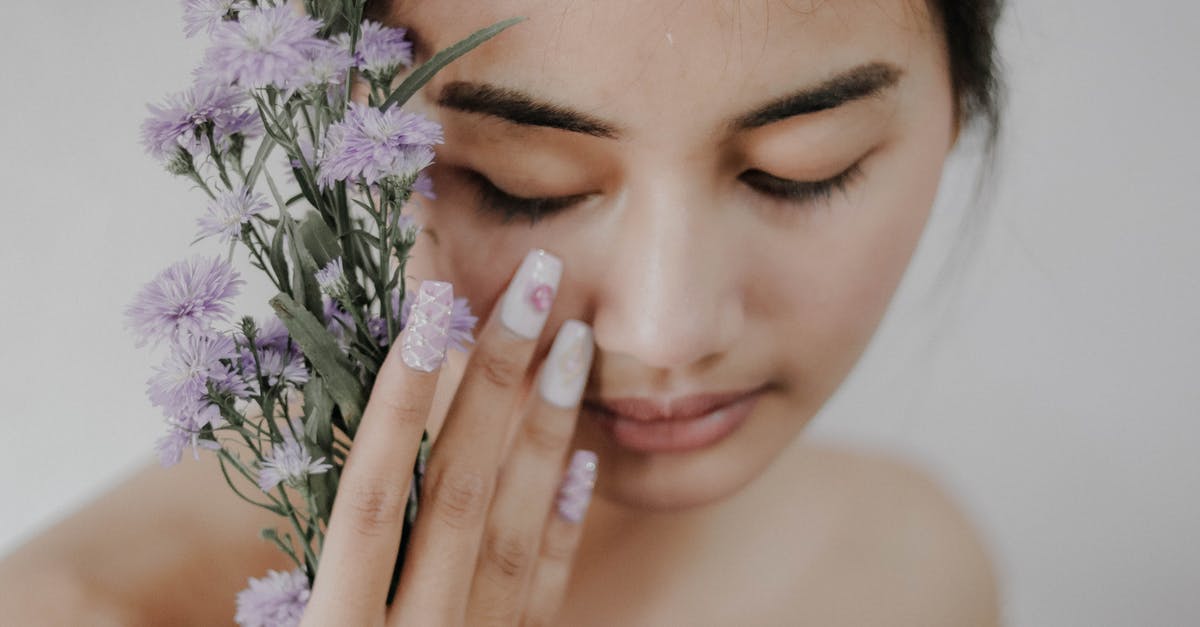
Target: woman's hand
column 486, row 549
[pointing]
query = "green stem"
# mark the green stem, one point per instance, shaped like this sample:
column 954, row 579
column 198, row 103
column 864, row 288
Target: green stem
column 312, row 512
column 379, row 212
column 257, row 254
column 215, row 155
column 286, row 548
column 294, row 519
column 275, row 192
column 224, row 457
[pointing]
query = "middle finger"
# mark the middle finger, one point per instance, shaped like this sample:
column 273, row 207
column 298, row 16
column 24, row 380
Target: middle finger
column 528, row 482
column 466, row 456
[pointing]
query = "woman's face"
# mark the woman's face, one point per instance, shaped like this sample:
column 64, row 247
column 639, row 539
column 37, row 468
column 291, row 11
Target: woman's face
column 678, row 149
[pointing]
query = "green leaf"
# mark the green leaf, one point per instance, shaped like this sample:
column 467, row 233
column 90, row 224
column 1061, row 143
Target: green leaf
column 318, row 412
column 260, row 159
column 421, row 75
column 367, row 238
column 304, row 272
column 305, row 189
column 277, row 259
column 327, row 359
column 324, row 488
column 319, row 240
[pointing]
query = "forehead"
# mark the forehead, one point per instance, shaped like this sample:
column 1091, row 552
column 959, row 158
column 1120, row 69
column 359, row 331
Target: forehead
column 642, row 63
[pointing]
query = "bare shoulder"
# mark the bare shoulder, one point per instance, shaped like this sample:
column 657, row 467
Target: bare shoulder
column 129, row 552
column 900, row 544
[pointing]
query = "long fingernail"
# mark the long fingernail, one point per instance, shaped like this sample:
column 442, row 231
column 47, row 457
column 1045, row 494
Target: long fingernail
column 527, row 301
column 565, row 371
column 576, row 490
column 423, row 346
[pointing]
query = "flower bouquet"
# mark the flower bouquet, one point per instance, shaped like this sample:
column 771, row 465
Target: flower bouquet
column 278, row 401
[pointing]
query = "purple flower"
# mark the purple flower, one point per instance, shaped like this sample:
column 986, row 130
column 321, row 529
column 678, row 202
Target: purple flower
column 326, row 65
column 332, row 279
column 424, row 186
column 289, row 462
column 279, row 358
column 186, row 298
column 170, row 445
column 205, row 15
column 381, row 51
column 228, row 212
column 276, row 366
column 370, row 144
column 273, row 335
column 339, row 320
column 277, row 600
column 180, row 384
column 265, row 46
column 377, row 329
column 408, row 225
column 184, row 118
column 462, row 322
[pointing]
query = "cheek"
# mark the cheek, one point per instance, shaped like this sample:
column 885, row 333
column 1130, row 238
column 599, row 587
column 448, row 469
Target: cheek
column 838, row 278
column 476, row 253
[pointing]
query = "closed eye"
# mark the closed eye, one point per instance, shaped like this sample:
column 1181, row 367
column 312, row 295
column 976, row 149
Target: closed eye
column 494, row 200
column 510, row 206
column 800, row 192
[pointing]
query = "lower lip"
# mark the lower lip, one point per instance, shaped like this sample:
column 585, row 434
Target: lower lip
column 676, row 436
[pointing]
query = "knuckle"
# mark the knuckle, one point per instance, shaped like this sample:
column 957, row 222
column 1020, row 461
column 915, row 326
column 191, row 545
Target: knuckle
column 543, row 438
column 376, row 507
column 503, row 616
column 498, row 369
column 459, row 498
column 558, row 547
column 403, row 408
column 511, row 555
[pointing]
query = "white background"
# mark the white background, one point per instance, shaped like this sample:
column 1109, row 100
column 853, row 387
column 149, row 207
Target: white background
column 1059, row 400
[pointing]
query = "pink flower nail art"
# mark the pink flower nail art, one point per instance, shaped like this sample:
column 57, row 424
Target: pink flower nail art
column 541, row 297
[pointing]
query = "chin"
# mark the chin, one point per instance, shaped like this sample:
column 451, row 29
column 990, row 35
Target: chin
column 675, row 481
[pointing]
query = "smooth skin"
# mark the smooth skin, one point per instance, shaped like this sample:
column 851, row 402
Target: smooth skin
column 693, row 281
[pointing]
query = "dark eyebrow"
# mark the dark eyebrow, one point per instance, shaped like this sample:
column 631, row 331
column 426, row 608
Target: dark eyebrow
column 519, row 108
column 857, row 83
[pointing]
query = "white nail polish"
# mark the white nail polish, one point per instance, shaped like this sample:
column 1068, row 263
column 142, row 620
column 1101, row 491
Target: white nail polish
column 527, row 302
column 565, row 372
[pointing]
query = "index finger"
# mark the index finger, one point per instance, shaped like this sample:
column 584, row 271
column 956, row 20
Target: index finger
column 368, row 513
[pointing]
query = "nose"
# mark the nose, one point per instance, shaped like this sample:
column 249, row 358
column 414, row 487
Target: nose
column 670, row 298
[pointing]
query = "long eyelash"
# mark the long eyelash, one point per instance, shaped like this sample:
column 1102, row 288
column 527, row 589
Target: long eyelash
column 801, row 192
column 492, row 199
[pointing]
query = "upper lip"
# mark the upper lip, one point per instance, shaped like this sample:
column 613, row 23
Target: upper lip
column 677, row 408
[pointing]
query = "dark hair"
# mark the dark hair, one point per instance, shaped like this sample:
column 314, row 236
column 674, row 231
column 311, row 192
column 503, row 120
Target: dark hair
column 969, row 27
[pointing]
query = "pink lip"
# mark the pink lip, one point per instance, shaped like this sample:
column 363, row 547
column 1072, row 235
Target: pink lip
column 682, row 408
column 683, row 424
